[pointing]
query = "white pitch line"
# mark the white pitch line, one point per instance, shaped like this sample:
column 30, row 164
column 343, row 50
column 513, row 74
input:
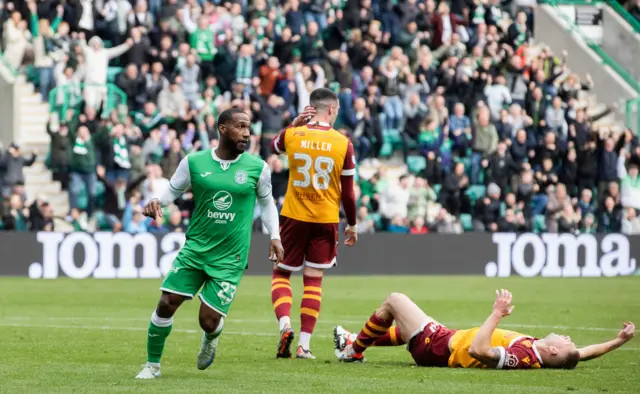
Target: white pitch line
column 321, row 322
column 186, row 331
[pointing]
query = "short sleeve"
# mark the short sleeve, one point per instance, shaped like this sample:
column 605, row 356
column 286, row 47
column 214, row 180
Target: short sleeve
column 349, row 166
column 263, row 189
column 278, row 143
column 517, row 356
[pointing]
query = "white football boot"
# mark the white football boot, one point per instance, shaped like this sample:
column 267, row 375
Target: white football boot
column 207, row 353
column 149, row 372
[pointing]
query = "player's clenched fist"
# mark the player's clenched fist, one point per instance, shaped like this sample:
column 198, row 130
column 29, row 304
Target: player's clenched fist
column 153, row 209
column 502, row 305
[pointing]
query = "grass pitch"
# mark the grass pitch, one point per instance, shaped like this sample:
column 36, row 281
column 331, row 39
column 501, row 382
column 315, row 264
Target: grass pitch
column 90, row 336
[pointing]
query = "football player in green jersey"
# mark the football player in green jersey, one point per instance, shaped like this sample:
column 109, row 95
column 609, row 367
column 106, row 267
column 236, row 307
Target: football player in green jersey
column 226, row 182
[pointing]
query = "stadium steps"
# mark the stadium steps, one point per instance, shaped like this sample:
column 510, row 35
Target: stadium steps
column 34, row 115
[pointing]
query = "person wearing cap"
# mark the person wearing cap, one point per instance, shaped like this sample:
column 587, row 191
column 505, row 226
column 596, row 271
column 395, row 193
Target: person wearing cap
column 11, row 166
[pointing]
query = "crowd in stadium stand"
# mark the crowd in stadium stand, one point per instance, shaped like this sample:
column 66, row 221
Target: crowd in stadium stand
column 494, row 131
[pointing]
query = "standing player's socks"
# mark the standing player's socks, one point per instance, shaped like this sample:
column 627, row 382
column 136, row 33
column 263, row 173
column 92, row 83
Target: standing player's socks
column 309, row 311
column 159, row 330
column 390, row 338
column 207, row 352
column 373, row 329
column 281, row 297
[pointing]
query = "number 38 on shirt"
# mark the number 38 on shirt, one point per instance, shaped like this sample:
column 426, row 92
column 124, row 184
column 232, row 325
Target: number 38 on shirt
column 318, row 156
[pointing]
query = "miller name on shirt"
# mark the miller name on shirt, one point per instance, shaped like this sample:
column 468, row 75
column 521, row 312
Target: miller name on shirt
column 316, row 145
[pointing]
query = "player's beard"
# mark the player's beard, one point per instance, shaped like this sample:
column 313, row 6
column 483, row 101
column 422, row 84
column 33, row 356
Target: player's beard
column 237, row 147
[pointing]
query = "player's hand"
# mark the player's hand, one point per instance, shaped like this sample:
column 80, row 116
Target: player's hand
column 502, row 305
column 153, row 209
column 304, row 116
column 627, row 331
column 276, row 251
column 352, row 236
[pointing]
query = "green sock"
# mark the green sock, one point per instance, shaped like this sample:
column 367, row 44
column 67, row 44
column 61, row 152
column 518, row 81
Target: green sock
column 159, row 330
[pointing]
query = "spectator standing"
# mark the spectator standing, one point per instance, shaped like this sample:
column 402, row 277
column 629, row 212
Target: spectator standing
column 629, row 183
column 16, row 38
column 13, row 164
column 82, row 168
column 485, row 142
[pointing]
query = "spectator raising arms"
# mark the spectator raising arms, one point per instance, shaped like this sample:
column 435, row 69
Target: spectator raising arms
column 459, row 121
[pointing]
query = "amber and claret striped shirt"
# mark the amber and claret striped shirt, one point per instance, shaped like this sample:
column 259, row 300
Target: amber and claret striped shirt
column 319, row 156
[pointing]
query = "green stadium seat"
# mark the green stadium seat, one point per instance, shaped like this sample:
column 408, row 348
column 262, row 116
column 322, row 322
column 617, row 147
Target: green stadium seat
column 539, row 224
column 387, row 149
column 416, row 163
column 436, row 188
column 377, row 219
column 112, row 73
column 393, row 136
column 466, row 221
column 475, row 192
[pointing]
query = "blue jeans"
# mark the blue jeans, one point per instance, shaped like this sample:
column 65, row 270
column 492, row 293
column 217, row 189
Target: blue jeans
column 117, row 175
column 78, row 180
column 318, row 17
column 539, row 202
column 46, row 82
column 393, row 108
column 476, row 167
column 362, row 147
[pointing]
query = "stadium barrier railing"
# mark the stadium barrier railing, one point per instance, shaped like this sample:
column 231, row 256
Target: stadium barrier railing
column 617, row 7
column 632, row 105
column 107, row 255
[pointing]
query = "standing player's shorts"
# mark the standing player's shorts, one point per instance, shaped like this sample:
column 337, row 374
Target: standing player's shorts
column 218, row 283
column 312, row 244
column 429, row 346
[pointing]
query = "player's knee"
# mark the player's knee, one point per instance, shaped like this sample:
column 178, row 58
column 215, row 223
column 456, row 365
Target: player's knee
column 313, row 272
column 209, row 322
column 169, row 304
column 393, row 299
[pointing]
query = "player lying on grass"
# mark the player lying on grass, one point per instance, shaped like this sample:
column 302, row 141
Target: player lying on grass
column 225, row 182
column 433, row 345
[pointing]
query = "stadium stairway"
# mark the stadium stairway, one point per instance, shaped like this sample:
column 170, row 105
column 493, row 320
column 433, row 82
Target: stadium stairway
column 33, row 117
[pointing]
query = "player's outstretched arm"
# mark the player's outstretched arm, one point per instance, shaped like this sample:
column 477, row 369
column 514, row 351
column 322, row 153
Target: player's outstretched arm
column 178, row 184
column 600, row 349
column 481, row 348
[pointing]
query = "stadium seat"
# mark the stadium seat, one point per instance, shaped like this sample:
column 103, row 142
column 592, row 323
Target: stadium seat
column 393, row 137
column 475, row 192
column 387, row 149
column 377, row 219
column 416, row 163
column 436, row 188
column 112, row 73
column 466, row 221
column 539, row 224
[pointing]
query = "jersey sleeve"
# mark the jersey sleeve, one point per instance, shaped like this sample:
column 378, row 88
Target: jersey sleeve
column 349, row 166
column 517, row 356
column 278, row 146
column 178, row 184
column 263, row 188
column 268, row 209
